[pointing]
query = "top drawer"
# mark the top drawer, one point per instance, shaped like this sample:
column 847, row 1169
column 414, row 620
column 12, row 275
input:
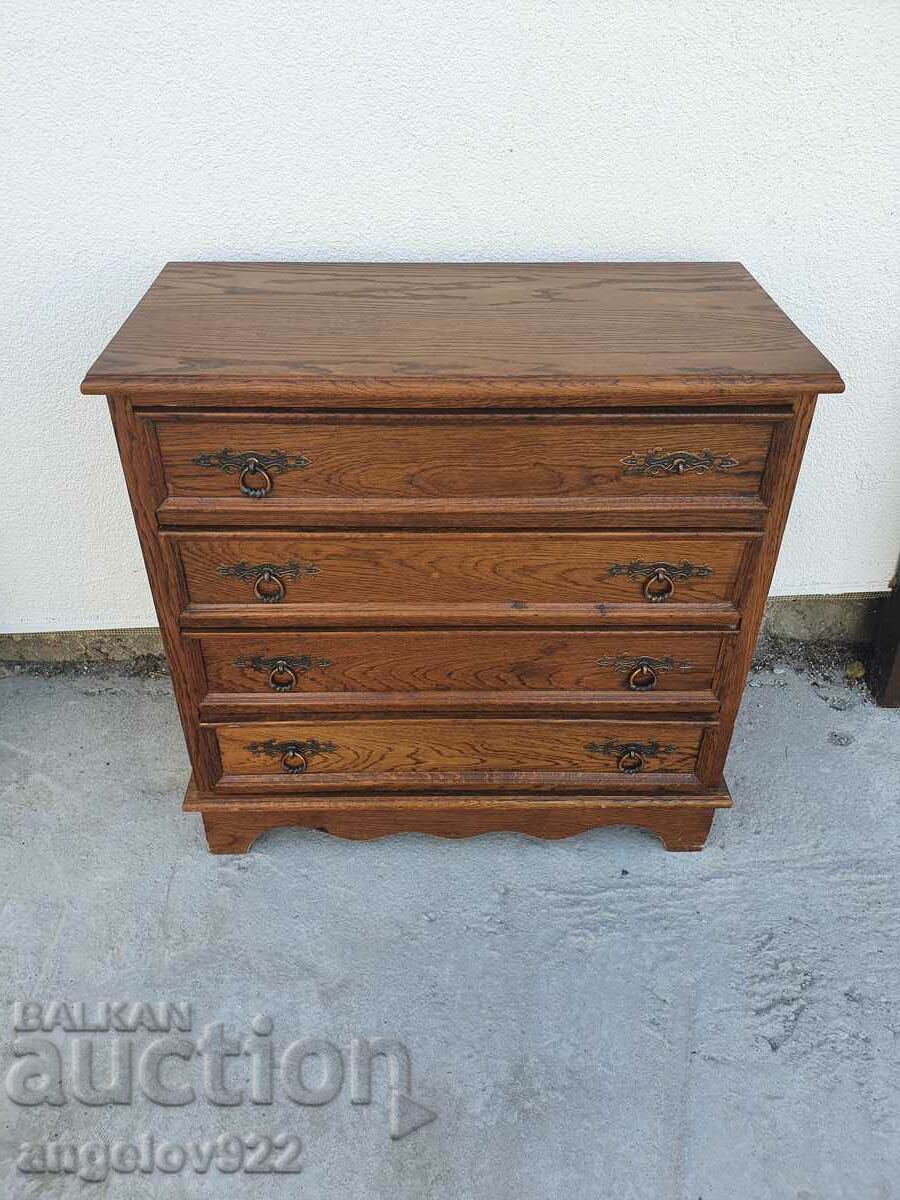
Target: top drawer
column 307, row 459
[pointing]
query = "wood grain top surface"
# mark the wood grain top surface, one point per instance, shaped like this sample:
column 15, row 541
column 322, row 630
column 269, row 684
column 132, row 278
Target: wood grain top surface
column 440, row 331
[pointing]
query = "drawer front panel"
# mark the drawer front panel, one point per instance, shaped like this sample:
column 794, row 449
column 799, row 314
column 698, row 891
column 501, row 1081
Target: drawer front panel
column 462, row 661
column 480, row 456
column 380, row 749
column 419, row 569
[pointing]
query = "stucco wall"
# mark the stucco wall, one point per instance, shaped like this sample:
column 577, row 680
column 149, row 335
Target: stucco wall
column 137, row 132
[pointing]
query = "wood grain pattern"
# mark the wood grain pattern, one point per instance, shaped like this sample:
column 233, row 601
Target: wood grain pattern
column 484, row 456
column 222, row 708
column 232, row 826
column 420, row 569
column 781, row 479
column 469, row 661
column 145, row 488
column 536, row 512
column 440, row 749
column 462, row 526
column 403, row 614
column 315, row 330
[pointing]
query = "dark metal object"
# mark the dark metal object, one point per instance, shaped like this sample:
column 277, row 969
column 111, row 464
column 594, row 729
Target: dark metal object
column 642, row 570
column 268, row 578
column 676, row 462
column 283, row 671
column 884, row 669
column 643, row 670
column 630, row 756
column 250, row 465
column 294, row 756
column 643, row 679
column 659, row 577
column 254, row 470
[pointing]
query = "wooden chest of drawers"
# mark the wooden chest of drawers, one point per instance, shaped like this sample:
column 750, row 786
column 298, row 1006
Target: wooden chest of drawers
column 458, row 548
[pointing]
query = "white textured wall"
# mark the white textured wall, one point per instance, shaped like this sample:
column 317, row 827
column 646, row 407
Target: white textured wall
column 136, row 132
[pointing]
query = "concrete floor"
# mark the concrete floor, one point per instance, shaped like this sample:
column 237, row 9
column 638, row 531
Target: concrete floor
column 591, row 1018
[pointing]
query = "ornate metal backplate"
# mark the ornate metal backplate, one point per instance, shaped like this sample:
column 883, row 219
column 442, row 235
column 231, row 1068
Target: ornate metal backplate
column 291, row 570
column 232, row 462
column 645, row 749
column 274, row 749
column 644, row 570
column 656, row 462
column 300, row 663
column 622, row 662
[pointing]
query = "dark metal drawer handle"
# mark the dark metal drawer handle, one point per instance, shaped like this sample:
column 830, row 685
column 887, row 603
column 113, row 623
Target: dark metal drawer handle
column 630, row 761
column 268, row 578
column 630, row 756
column 659, row 586
column 294, row 761
column 283, row 672
column 255, row 469
column 676, row 462
column 659, row 577
column 643, row 678
column 294, row 756
column 642, row 673
column 250, row 464
column 268, row 587
column 282, row 678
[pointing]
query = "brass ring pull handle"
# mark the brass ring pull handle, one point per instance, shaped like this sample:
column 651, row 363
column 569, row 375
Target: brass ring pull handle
column 253, row 469
column 659, row 577
column 630, row 756
column 630, row 761
column 294, row 761
column 293, row 756
column 282, row 678
column 267, row 578
column 268, row 587
column 643, row 678
column 657, row 462
column 247, row 464
column 283, row 672
column 659, row 586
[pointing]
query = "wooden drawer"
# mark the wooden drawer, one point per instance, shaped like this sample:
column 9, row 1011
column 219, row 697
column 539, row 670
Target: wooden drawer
column 332, row 467
column 394, row 754
column 458, row 578
column 323, row 665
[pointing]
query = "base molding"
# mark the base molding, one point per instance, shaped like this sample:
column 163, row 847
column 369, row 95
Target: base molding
column 232, row 825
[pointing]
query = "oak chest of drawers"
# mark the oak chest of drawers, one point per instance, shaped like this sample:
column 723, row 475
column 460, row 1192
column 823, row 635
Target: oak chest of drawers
column 458, row 548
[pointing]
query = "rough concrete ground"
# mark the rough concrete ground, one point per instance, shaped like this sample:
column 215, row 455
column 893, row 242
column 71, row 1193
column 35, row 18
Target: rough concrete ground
column 592, row 1018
